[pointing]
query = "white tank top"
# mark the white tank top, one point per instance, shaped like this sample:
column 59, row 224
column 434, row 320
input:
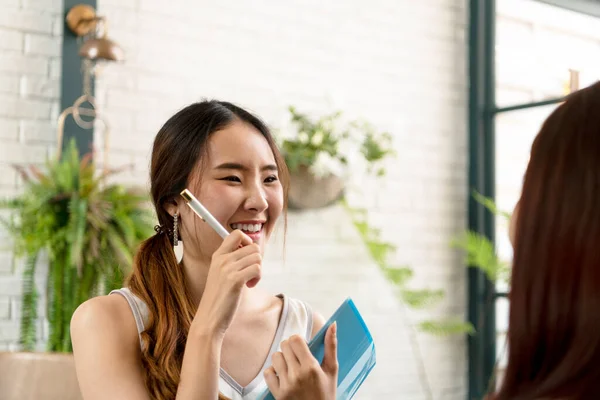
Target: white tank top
column 296, row 319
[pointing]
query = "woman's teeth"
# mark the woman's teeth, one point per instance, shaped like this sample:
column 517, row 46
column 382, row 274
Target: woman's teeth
column 247, row 227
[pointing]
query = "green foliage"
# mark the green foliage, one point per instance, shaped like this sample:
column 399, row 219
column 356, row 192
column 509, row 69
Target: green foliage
column 479, row 250
column 489, row 204
column 375, row 146
column 325, row 144
column 89, row 229
column 30, row 298
column 422, row 297
column 313, row 137
column 400, row 276
column 447, row 327
column 481, row 253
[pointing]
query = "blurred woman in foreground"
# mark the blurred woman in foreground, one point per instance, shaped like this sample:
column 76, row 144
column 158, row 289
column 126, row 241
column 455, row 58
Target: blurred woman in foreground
column 554, row 323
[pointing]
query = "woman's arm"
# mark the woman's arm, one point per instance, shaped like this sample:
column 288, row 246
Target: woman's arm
column 107, row 355
column 201, row 362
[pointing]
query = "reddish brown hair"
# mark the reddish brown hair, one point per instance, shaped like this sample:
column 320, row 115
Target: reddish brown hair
column 157, row 278
column 554, row 323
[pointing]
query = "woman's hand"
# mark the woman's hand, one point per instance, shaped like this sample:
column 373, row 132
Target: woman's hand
column 231, row 268
column 295, row 374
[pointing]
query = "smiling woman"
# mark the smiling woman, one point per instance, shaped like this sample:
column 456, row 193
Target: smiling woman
column 195, row 329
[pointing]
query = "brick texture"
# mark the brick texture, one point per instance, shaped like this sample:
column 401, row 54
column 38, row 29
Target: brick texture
column 398, row 64
column 29, row 92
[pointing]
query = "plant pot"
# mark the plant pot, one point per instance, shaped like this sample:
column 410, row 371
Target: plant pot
column 308, row 191
column 38, row 376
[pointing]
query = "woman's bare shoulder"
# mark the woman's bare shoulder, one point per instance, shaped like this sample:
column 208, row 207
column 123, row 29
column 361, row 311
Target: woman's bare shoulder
column 106, row 317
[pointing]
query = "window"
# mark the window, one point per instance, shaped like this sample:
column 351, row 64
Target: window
column 520, row 71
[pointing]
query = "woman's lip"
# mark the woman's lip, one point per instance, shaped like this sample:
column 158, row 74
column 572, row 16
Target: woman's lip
column 255, row 236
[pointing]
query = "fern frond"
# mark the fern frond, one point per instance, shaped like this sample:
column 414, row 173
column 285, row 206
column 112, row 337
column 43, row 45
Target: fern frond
column 481, row 253
column 489, row 204
column 28, row 336
column 398, row 276
column 76, row 231
column 447, row 327
column 421, row 298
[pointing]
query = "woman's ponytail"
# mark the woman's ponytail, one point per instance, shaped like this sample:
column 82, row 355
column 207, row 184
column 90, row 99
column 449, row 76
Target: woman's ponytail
column 159, row 281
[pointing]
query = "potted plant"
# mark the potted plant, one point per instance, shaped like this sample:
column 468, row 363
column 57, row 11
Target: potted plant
column 89, row 230
column 321, row 153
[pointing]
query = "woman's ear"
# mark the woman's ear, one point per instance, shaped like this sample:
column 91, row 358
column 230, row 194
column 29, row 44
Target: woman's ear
column 171, row 206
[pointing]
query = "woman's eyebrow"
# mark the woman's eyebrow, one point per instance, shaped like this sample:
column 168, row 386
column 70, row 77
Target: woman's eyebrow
column 238, row 166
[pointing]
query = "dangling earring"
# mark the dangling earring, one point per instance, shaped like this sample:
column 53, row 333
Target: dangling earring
column 175, row 234
column 177, row 247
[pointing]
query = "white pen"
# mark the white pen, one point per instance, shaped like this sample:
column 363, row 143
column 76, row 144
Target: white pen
column 203, row 213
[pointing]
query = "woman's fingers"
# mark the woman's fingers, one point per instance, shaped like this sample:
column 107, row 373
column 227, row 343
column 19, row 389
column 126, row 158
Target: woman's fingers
column 290, row 357
column 246, row 251
column 296, row 374
column 252, row 272
column 301, row 350
column 330, row 362
column 278, row 363
column 233, row 241
column 272, row 381
column 247, row 261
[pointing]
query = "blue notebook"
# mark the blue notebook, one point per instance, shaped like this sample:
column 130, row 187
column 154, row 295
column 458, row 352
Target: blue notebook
column 356, row 350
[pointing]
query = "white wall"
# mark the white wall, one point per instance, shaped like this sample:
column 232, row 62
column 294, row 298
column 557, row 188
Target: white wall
column 30, row 51
column 399, row 64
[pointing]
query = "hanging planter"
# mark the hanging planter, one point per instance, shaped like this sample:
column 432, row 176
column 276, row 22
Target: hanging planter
column 309, row 191
column 321, row 152
column 89, row 229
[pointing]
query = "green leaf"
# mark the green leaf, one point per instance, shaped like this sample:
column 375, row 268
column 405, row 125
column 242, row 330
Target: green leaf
column 379, row 250
column 421, row 298
column 60, row 305
column 481, row 253
column 29, row 300
column 398, row 276
column 76, row 231
column 119, row 247
column 490, row 205
column 447, row 327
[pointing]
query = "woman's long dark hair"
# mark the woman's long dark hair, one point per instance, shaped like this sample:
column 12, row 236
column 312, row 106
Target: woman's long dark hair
column 157, row 278
column 554, row 323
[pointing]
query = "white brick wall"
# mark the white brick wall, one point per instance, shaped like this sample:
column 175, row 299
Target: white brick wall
column 401, row 65
column 30, row 45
